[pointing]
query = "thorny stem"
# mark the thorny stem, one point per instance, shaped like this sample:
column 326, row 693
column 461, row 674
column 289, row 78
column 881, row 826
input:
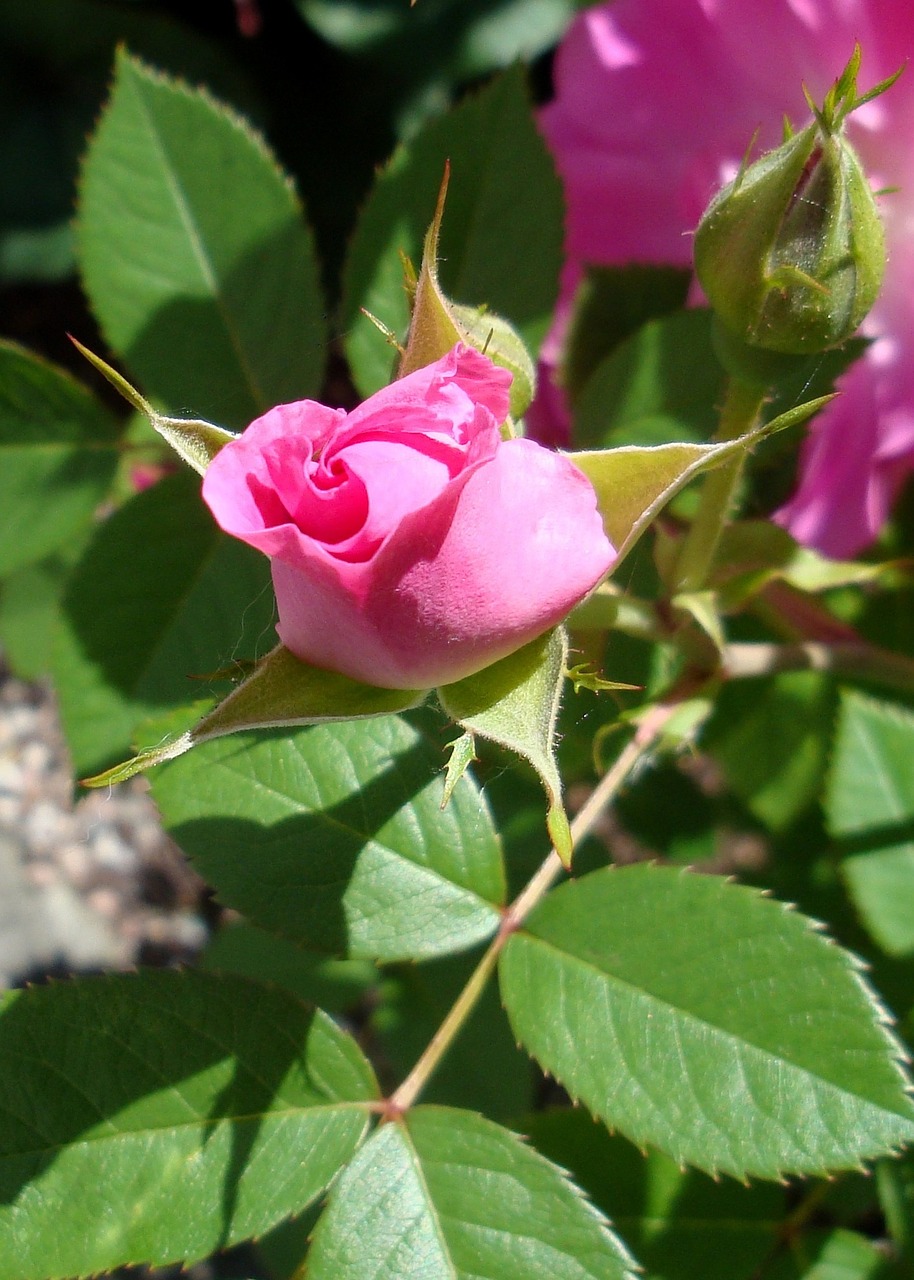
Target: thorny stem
column 582, row 824
column 740, row 410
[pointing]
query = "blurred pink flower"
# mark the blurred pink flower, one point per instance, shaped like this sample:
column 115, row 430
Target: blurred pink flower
column 656, row 101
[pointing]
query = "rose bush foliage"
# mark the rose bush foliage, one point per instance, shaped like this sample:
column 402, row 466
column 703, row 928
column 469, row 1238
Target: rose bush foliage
column 371, row 839
column 410, row 544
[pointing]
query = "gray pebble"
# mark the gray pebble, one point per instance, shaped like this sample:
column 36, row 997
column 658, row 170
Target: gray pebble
column 72, row 871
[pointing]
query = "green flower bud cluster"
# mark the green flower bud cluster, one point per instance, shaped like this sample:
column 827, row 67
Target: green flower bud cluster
column 791, row 254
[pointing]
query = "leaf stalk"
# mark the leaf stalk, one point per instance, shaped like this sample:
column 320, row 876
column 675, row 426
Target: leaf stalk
column 649, row 730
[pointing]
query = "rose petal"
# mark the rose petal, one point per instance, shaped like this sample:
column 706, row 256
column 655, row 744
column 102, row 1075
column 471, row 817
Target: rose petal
column 501, row 557
column 240, row 484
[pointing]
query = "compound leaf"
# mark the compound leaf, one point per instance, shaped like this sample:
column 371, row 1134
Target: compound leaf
column 706, row 1020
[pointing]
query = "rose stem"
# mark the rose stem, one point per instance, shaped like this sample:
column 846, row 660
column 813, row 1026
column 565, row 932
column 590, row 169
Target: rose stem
column 742, row 405
column 582, row 824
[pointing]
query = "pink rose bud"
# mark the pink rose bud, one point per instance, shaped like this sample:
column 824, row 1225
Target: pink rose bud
column 411, row 544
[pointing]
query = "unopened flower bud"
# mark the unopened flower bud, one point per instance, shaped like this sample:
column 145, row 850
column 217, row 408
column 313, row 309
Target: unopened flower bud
column 791, row 254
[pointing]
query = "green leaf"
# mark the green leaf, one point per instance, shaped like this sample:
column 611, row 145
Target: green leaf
column 706, row 1020
column 334, row 837
column 870, row 806
column 159, row 596
column 483, row 1069
column 446, row 1194
column 515, row 702
column 895, row 1185
column 280, row 691
column 808, row 571
column 771, row 739
column 58, row 456
column 610, row 305
column 457, row 41
column 500, row 242
column 662, row 383
column 157, row 1117
column 633, row 484
column 680, row 1224
column 30, row 602
column 752, row 553
column 335, row 985
column 194, row 253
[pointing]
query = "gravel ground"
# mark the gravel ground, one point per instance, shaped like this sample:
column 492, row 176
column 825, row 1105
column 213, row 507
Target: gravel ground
column 88, row 880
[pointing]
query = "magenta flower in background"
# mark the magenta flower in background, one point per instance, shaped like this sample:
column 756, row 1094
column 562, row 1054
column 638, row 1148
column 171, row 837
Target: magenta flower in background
column 655, row 103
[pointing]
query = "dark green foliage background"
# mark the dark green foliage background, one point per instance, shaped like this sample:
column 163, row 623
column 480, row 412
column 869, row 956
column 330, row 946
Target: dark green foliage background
column 156, row 1117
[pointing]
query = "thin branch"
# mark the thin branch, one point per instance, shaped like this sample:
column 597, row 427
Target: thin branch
column 583, row 823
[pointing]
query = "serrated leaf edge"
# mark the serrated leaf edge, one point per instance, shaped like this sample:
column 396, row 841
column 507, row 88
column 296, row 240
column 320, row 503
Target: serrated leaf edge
column 632, row 1269
column 897, row 1051
column 194, row 93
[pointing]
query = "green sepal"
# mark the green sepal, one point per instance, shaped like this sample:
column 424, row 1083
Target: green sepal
column 437, row 324
column 462, row 753
column 195, row 441
column 843, row 98
column 583, row 676
column 515, row 702
column 433, row 329
column 504, row 346
column 634, row 483
column 282, row 691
